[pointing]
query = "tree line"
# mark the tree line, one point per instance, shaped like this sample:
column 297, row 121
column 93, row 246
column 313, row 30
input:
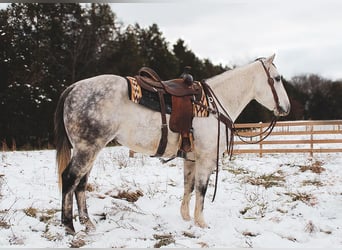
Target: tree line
column 46, row 47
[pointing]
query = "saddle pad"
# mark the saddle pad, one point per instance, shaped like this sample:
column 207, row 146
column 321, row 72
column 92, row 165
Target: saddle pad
column 151, row 99
column 200, row 111
column 134, row 90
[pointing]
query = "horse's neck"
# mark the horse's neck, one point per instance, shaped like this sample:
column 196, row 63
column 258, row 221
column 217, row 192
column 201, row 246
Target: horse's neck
column 234, row 88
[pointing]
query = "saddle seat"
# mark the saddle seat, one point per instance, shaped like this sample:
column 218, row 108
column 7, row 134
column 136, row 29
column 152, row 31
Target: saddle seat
column 149, row 80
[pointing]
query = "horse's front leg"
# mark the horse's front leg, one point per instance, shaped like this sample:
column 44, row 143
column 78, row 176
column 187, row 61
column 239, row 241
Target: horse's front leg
column 203, row 172
column 189, row 184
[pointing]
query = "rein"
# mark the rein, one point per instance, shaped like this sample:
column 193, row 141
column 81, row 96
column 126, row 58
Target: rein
column 228, row 122
column 267, row 131
column 221, row 117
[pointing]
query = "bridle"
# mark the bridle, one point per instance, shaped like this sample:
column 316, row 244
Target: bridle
column 222, row 116
column 270, row 81
column 270, row 127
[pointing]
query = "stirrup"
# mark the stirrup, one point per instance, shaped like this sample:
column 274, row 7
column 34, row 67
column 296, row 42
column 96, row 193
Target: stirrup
column 184, row 155
column 181, row 153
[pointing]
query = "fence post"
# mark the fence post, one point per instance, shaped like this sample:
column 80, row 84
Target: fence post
column 311, row 140
column 131, row 153
column 260, row 137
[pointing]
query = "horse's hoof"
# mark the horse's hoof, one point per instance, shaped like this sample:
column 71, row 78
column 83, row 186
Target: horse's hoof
column 69, row 230
column 201, row 224
column 90, row 227
column 185, row 211
column 68, row 227
column 186, row 217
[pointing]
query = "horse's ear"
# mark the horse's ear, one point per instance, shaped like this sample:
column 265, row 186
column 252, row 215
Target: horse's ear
column 269, row 60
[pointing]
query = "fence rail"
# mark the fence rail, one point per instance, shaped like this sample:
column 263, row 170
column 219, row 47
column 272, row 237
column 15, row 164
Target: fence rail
column 292, row 137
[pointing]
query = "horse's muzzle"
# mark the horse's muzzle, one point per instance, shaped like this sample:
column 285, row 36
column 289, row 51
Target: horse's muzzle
column 281, row 111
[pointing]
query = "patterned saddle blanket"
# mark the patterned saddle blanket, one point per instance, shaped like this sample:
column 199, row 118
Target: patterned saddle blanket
column 150, row 99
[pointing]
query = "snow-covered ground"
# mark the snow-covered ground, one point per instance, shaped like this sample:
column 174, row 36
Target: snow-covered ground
column 277, row 201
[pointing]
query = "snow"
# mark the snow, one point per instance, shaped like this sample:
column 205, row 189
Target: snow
column 277, row 201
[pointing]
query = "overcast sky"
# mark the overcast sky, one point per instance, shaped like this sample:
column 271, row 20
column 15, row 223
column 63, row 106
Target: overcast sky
column 306, row 35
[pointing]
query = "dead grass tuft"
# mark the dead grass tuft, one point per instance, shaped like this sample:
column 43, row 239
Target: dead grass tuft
column 47, row 215
column 267, row 180
column 128, row 196
column 311, row 228
column 4, row 224
column 31, row 211
column 315, row 167
column 308, row 199
column 189, row 235
column 77, row 243
column 16, row 240
column 249, row 234
column 42, row 215
column 2, row 180
column 163, row 240
column 90, row 187
column 203, row 244
column 312, row 183
column 237, row 171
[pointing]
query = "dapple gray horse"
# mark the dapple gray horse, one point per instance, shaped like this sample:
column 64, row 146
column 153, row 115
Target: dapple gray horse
column 94, row 111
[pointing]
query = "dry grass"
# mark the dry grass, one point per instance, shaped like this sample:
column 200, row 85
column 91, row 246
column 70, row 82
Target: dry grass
column 203, row 244
column 128, row 196
column 250, row 234
column 256, row 206
column 4, row 224
column 90, row 187
column 163, row 240
column 311, row 228
column 43, row 215
column 189, row 235
column 47, row 215
column 31, row 211
column 2, row 181
column 237, row 171
column 316, row 183
column 267, row 180
column 77, row 243
column 306, row 198
column 122, row 160
column 315, row 167
column 16, row 240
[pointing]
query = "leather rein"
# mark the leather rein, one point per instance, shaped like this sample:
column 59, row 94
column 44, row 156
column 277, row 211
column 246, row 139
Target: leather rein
column 222, row 116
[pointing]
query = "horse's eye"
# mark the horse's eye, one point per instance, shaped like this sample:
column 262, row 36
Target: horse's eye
column 277, row 78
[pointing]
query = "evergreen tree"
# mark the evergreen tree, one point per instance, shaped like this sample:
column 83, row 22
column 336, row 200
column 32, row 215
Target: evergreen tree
column 46, row 47
column 154, row 49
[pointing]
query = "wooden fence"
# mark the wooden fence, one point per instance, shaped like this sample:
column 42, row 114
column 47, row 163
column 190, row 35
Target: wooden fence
column 292, row 137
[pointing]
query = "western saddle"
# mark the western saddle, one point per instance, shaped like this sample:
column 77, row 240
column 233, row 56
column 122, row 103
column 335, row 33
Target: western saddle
column 182, row 90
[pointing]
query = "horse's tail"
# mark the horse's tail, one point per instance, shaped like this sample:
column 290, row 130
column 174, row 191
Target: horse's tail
column 63, row 145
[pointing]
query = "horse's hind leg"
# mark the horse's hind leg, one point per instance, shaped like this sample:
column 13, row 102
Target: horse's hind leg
column 74, row 179
column 82, row 205
column 67, row 201
column 189, row 183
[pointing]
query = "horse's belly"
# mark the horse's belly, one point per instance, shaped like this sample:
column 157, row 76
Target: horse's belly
column 141, row 131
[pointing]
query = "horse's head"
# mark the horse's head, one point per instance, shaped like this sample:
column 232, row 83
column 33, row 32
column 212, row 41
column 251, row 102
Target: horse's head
column 269, row 90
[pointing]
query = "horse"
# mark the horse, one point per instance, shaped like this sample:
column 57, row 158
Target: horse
column 92, row 112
